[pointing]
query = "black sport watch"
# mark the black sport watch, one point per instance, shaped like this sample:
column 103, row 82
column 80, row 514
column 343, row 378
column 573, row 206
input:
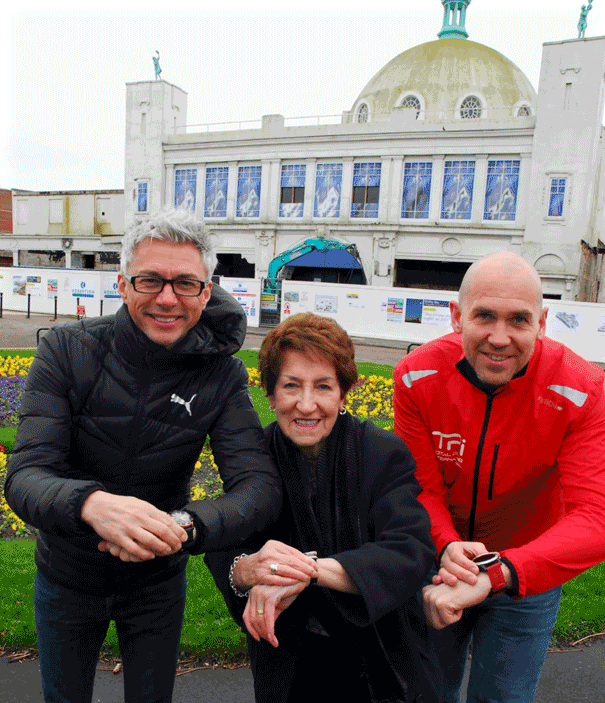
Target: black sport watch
column 185, row 520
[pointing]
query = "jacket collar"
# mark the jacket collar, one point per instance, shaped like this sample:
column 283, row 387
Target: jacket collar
column 138, row 350
column 527, row 373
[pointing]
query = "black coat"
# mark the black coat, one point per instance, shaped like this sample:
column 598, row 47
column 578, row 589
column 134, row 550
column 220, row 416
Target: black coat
column 388, row 565
column 99, row 412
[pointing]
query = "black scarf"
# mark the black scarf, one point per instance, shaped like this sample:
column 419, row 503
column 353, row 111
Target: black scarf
column 335, row 527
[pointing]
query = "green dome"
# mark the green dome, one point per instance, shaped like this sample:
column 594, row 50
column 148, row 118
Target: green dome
column 441, row 74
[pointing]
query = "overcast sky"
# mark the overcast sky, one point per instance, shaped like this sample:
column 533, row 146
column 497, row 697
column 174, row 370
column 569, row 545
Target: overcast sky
column 65, row 69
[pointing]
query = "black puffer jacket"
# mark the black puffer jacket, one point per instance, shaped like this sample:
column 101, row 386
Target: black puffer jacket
column 102, row 410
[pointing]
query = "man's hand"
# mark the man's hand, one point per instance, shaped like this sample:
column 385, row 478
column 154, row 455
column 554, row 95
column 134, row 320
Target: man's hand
column 444, row 605
column 457, row 564
column 292, row 566
column 265, row 605
column 134, row 526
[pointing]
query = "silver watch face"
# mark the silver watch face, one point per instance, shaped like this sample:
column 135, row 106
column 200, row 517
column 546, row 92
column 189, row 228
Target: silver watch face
column 181, row 518
column 487, row 559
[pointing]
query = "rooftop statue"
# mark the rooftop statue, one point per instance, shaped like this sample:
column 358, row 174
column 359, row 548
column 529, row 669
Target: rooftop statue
column 582, row 24
column 156, row 64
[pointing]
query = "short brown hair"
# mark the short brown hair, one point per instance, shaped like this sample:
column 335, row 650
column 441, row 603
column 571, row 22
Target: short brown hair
column 310, row 334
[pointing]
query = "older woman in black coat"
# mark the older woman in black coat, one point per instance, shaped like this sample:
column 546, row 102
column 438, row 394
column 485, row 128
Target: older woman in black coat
column 330, row 600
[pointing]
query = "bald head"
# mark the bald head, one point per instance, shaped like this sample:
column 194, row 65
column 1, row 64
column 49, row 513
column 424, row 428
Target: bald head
column 504, row 267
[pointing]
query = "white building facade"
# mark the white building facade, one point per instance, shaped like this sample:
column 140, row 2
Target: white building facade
column 65, row 229
column 447, row 154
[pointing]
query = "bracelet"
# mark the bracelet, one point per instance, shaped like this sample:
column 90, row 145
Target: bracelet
column 313, row 556
column 241, row 594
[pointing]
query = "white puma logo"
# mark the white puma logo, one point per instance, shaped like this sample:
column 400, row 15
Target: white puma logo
column 175, row 399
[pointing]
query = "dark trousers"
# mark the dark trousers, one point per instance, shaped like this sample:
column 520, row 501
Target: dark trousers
column 71, row 628
column 312, row 667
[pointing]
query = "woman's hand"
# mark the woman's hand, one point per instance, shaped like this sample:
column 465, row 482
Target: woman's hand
column 444, row 605
column 290, row 566
column 265, row 605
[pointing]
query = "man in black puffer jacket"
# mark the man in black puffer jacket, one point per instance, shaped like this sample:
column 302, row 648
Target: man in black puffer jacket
column 114, row 416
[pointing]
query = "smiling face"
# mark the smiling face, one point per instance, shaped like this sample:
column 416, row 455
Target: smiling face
column 307, row 400
column 164, row 317
column 500, row 318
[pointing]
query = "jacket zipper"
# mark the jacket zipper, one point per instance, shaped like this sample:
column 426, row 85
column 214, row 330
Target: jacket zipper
column 471, row 523
column 493, row 472
column 135, row 430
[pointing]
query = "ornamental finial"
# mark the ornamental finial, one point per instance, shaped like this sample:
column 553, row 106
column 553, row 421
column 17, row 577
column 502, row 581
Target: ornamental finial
column 454, row 19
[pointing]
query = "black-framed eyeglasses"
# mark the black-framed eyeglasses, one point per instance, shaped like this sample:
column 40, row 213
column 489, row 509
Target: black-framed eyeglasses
column 152, row 285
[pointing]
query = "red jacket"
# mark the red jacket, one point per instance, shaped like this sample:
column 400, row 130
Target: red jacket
column 522, row 471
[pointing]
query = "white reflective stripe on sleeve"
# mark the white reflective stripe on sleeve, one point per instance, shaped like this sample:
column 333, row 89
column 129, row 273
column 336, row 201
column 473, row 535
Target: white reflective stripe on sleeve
column 577, row 397
column 412, row 376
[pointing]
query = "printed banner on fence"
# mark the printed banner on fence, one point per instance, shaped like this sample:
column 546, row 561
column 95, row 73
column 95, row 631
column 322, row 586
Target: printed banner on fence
column 83, row 287
column 110, row 287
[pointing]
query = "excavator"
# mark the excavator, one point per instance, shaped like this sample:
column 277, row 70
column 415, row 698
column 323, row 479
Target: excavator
column 305, row 247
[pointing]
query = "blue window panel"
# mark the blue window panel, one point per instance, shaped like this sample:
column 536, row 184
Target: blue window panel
column 141, row 197
column 292, row 176
column 366, row 187
column 458, row 181
column 417, row 189
column 501, row 191
column 366, row 174
column 248, row 191
column 217, row 180
column 328, row 190
column 291, row 209
column 185, row 180
column 557, row 197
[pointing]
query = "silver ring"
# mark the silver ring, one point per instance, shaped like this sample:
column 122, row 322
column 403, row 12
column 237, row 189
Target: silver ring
column 274, row 567
column 260, row 612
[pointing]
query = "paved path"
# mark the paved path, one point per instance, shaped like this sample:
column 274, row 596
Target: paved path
column 17, row 331
column 576, row 676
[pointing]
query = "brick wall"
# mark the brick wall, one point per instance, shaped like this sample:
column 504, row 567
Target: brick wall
column 6, row 211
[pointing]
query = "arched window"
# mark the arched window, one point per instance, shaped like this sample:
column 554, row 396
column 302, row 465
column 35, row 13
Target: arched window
column 471, row 108
column 412, row 101
column 524, row 111
column 363, row 113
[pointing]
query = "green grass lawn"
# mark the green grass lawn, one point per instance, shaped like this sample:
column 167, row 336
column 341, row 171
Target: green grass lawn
column 208, row 630
column 17, row 352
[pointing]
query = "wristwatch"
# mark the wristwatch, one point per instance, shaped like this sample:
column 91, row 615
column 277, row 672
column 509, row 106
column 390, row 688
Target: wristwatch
column 490, row 563
column 185, row 520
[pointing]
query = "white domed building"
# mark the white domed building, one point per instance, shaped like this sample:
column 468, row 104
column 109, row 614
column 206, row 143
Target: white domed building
column 447, row 154
column 444, row 80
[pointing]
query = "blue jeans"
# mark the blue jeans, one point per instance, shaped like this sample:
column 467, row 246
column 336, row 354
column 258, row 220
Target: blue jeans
column 71, row 628
column 510, row 639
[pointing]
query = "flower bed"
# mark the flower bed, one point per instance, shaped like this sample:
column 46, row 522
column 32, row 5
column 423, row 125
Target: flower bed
column 13, row 371
column 371, row 398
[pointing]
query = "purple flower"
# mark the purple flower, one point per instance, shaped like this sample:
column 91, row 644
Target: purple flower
column 11, row 390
